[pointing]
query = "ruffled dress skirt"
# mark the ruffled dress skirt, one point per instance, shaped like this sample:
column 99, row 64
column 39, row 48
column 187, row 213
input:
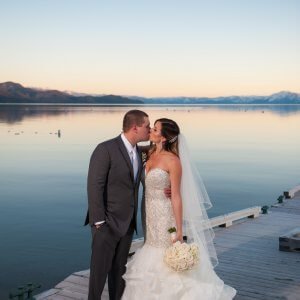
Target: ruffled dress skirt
column 148, row 277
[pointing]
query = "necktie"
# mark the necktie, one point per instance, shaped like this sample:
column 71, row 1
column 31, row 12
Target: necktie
column 134, row 163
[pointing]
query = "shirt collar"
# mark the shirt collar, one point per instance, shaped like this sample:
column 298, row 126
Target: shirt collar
column 127, row 144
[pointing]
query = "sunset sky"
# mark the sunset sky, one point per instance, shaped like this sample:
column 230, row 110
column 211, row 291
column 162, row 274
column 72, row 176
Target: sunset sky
column 152, row 48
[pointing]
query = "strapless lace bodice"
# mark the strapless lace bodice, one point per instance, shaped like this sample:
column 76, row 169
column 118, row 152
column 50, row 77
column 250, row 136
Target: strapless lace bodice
column 159, row 212
column 147, row 276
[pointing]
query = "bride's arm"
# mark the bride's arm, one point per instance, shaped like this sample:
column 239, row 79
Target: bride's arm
column 175, row 178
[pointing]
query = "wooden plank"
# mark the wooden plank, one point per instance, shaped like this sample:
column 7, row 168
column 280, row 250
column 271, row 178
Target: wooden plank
column 248, row 254
column 46, row 294
column 58, row 297
column 265, row 294
column 252, row 294
column 264, row 290
column 72, row 287
column 262, row 264
column 72, row 295
column 260, row 278
column 251, row 278
column 78, row 280
column 85, row 273
column 283, row 273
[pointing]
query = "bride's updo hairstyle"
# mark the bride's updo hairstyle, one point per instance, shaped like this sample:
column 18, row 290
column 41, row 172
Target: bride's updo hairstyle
column 169, row 130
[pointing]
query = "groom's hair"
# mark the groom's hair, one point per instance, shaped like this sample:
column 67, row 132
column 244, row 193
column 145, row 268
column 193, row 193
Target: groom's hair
column 132, row 118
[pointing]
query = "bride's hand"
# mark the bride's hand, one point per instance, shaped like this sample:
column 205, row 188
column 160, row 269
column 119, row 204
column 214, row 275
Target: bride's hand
column 168, row 192
column 179, row 237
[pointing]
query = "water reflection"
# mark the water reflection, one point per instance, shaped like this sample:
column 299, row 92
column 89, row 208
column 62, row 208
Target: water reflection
column 16, row 113
column 246, row 155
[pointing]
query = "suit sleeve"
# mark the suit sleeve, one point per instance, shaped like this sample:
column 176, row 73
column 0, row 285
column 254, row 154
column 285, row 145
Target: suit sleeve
column 96, row 184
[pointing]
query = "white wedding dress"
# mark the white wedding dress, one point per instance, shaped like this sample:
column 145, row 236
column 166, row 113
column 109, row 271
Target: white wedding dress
column 147, row 276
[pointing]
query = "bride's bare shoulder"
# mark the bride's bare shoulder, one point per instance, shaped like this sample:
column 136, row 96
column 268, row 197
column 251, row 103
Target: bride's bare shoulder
column 173, row 160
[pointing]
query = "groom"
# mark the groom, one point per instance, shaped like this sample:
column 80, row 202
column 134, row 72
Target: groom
column 113, row 182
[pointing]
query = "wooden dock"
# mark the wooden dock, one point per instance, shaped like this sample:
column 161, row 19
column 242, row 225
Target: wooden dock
column 249, row 259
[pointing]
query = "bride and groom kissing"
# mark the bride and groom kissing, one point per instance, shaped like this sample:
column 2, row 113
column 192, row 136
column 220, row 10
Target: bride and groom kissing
column 115, row 171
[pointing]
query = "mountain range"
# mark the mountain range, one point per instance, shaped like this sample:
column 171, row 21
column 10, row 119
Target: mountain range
column 11, row 92
column 277, row 98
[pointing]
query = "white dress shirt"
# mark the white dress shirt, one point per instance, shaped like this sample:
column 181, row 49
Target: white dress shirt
column 132, row 152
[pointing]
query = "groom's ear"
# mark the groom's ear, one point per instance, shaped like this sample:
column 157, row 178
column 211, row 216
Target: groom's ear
column 134, row 128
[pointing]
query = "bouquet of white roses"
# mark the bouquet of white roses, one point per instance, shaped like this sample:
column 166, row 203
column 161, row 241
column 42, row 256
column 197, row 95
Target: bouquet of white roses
column 181, row 256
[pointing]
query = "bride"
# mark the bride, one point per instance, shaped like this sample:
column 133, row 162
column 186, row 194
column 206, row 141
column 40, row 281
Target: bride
column 147, row 276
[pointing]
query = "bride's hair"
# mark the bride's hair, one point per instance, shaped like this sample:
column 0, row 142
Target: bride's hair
column 169, row 130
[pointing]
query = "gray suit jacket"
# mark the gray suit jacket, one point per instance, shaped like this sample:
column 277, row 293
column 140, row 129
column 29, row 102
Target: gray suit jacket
column 112, row 191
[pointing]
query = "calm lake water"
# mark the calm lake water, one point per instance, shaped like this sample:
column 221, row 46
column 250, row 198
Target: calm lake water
column 247, row 155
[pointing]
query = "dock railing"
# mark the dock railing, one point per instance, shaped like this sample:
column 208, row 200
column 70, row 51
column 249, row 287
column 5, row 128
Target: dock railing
column 293, row 191
column 227, row 220
column 220, row 221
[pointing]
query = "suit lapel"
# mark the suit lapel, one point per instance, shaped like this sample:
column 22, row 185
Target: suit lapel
column 140, row 164
column 125, row 155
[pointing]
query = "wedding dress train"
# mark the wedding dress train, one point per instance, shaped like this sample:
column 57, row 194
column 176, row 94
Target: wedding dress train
column 147, row 276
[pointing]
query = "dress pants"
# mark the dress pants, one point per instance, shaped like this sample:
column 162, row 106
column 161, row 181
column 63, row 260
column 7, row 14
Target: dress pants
column 109, row 257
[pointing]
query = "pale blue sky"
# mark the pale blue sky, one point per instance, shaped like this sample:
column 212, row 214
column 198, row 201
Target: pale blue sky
column 152, row 48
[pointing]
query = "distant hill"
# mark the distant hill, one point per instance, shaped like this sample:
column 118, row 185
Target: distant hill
column 278, row 98
column 11, row 92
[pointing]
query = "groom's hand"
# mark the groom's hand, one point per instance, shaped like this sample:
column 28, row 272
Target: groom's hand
column 99, row 224
column 168, row 193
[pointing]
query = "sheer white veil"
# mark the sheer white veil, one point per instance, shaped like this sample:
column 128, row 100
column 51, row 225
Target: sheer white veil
column 195, row 201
